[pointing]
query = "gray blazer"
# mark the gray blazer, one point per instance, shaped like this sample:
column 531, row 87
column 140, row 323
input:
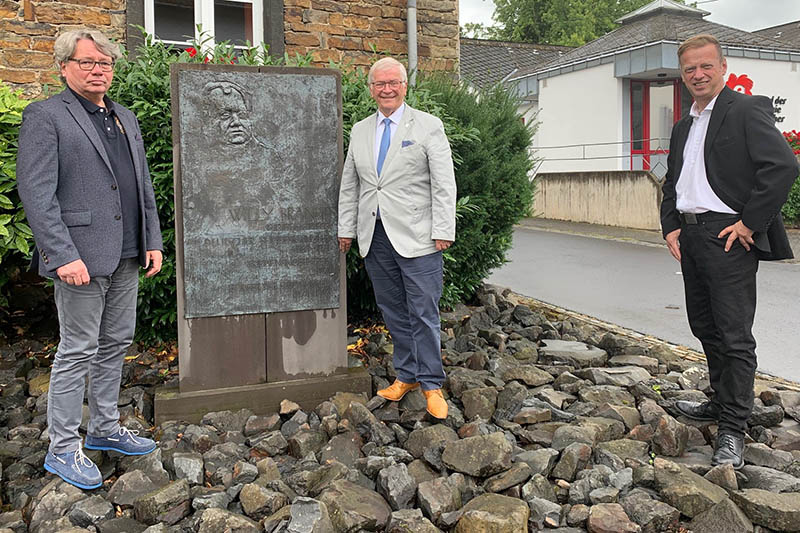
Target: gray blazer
column 70, row 193
column 416, row 190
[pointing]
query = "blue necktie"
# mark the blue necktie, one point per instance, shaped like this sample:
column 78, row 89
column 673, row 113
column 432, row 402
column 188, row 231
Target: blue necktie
column 385, row 140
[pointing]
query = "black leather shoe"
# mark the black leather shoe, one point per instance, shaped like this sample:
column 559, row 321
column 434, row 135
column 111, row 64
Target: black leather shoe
column 728, row 450
column 706, row 411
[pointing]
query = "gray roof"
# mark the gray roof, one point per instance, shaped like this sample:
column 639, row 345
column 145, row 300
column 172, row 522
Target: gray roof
column 485, row 62
column 786, row 33
column 661, row 5
column 663, row 25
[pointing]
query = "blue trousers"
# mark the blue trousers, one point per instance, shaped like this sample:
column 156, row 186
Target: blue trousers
column 407, row 291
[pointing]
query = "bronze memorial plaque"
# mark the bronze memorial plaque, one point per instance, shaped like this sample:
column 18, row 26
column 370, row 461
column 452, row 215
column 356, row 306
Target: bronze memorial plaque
column 259, row 156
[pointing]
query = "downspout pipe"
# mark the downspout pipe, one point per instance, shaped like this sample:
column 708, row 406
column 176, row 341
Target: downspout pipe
column 411, row 21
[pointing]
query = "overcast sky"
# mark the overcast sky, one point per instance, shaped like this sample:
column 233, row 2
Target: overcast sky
column 743, row 14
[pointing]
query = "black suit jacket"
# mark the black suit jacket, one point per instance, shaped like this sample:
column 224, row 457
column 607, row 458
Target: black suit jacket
column 749, row 166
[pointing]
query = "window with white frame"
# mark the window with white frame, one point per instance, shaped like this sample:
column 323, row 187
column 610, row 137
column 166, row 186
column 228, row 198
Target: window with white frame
column 176, row 21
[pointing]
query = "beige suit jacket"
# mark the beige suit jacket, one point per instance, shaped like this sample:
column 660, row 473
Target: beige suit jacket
column 416, row 191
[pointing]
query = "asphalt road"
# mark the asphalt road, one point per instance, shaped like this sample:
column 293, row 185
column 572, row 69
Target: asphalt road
column 639, row 286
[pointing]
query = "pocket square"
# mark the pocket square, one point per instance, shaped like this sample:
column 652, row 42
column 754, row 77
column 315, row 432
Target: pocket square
column 406, row 143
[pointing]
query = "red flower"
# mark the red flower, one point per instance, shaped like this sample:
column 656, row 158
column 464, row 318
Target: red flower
column 192, row 51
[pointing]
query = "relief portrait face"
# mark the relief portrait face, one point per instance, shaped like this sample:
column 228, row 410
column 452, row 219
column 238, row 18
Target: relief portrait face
column 231, row 115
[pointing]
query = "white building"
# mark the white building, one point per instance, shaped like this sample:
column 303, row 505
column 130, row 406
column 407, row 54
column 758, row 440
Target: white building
column 610, row 104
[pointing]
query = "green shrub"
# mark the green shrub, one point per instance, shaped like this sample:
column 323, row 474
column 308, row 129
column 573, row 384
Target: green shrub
column 791, row 209
column 16, row 239
column 493, row 175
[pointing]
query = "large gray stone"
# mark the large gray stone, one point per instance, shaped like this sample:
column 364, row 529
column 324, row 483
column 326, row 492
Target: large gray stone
column 778, row 512
column 759, row 477
column 610, row 518
column 480, row 402
column 527, row 374
column 397, row 486
column 150, row 464
column 309, row 516
column 544, row 513
column 724, row 516
column 480, row 456
column 493, row 513
column 353, row 507
column 760, row 454
column 258, row 502
column 540, row 461
column 410, row 520
column 168, row 504
column 429, row 437
column 436, row 497
column 90, row 511
column 53, row 502
column 690, row 493
column 600, row 394
column 624, row 376
column 518, row 474
column 652, row 515
column 629, row 416
column 573, row 458
column 670, row 437
column 189, row 466
column 573, row 353
column 627, row 449
column 344, row 448
column 218, row 520
column 568, row 434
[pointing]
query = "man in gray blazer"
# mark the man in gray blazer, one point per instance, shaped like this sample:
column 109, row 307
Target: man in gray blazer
column 84, row 182
column 398, row 196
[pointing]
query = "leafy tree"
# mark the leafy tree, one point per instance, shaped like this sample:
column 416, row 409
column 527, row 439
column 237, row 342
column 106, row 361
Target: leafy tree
column 476, row 30
column 569, row 23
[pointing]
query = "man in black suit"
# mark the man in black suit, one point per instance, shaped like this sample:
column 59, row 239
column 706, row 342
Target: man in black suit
column 729, row 173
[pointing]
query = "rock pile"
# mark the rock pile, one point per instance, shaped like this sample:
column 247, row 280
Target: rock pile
column 554, row 425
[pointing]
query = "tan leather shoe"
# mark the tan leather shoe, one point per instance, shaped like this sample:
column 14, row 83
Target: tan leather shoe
column 397, row 390
column 437, row 407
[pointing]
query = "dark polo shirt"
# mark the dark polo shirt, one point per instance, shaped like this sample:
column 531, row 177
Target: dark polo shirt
column 109, row 128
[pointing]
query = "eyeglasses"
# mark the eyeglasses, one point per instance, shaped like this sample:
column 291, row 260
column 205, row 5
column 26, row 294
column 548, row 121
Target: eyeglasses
column 394, row 84
column 88, row 64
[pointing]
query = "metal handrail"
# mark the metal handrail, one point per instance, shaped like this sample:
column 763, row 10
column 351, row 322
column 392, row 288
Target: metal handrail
column 660, row 142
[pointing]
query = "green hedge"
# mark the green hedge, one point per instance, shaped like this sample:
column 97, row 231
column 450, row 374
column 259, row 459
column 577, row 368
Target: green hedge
column 16, row 238
column 489, row 143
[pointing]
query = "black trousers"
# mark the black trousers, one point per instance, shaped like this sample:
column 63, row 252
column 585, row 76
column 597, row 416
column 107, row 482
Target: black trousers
column 721, row 303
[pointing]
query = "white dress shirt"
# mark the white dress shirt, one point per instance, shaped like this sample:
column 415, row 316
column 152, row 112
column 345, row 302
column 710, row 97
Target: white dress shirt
column 395, row 118
column 694, row 194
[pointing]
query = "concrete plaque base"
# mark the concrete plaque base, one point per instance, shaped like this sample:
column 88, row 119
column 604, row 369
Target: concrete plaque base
column 263, row 398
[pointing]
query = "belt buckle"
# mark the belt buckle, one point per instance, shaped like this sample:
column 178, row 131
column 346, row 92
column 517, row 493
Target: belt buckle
column 690, row 218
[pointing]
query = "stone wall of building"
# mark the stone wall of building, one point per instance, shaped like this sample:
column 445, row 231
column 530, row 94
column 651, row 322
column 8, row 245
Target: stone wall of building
column 348, row 31
column 28, row 30
column 353, row 30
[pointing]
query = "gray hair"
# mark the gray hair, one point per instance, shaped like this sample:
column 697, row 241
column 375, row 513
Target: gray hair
column 65, row 45
column 385, row 64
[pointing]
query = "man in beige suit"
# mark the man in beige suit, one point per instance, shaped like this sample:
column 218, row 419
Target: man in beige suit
column 398, row 197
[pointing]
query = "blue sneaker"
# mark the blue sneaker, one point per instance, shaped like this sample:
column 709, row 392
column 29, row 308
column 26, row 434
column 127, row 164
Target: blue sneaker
column 74, row 468
column 125, row 442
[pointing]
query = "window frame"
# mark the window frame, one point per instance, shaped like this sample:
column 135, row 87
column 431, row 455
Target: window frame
column 267, row 22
